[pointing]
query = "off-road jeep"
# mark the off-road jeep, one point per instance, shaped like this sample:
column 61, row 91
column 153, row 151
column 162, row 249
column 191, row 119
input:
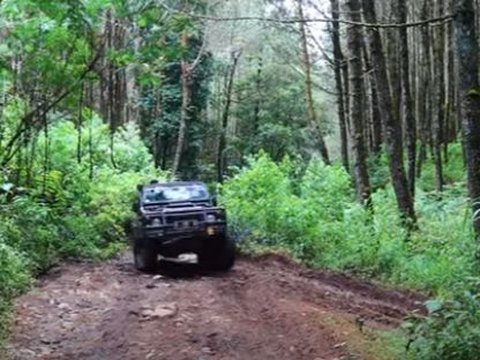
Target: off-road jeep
column 177, row 218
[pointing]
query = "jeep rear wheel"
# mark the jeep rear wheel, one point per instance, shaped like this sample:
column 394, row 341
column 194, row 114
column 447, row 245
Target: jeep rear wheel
column 218, row 255
column 145, row 258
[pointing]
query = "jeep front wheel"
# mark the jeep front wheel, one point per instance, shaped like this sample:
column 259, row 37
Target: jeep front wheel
column 218, row 255
column 145, row 258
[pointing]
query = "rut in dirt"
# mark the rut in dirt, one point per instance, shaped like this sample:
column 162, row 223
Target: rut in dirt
column 267, row 308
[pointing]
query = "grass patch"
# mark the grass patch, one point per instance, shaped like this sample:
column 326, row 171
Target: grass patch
column 365, row 343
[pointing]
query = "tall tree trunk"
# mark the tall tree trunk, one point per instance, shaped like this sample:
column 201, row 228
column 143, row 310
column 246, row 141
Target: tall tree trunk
column 469, row 92
column 80, row 123
column 407, row 103
column 156, row 113
column 392, row 56
column 308, row 87
column 339, row 60
column 375, row 118
column 221, row 159
column 439, row 98
column 424, row 101
column 447, row 126
column 258, row 99
column 357, row 123
column 184, row 111
column 450, row 130
column 46, row 159
column 393, row 130
column 90, row 135
column 346, row 95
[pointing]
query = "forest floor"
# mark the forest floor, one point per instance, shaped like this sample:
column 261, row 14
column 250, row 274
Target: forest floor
column 265, row 308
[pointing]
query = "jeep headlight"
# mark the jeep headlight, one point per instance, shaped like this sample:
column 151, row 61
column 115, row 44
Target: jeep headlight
column 211, row 218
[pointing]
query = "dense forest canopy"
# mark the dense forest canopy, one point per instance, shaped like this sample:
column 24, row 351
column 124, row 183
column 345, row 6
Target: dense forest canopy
column 355, row 124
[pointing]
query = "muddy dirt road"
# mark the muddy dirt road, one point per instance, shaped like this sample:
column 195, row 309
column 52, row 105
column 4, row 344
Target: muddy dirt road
column 266, row 308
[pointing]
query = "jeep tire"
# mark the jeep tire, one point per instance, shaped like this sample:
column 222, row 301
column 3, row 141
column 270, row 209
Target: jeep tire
column 145, row 257
column 217, row 254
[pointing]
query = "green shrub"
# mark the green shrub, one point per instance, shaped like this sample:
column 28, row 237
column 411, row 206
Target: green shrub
column 14, row 275
column 29, row 229
column 76, row 209
column 315, row 216
column 452, row 329
column 453, row 169
column 14, row 278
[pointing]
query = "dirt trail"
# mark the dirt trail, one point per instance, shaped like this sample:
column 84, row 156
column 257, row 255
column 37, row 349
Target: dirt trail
column 267, row 308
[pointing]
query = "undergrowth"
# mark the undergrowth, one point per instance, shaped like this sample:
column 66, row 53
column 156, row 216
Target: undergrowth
column 315, row 217
column 78, row 208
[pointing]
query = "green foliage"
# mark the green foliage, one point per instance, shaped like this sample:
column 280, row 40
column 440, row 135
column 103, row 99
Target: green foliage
column 265, row 203
column 14, row 278
column 76, row 208
column 444, row 247
column 378, row 171
column 273, row 120
column 316, row 217
column 73, row 190
column 454, row 169
column 51, row 38
column 452, row 329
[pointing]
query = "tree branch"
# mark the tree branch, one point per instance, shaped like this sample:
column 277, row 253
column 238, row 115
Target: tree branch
column 42, row 110
column 199, row 55
column 443, row 19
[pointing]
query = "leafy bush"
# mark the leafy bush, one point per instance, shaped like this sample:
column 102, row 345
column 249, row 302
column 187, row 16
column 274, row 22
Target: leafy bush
column 452, row 329
column 14, row 278
column 315, row 216
column 453, row 169
column 75, row 209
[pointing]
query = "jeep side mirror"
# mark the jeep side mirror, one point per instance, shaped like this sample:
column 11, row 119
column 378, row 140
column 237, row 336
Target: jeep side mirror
column 139, row 187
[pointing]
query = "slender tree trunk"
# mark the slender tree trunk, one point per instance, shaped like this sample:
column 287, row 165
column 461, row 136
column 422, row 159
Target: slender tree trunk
column 308, row 88
column 450, row 131
column 346, row 95
column 90, row 135
column 407, row 103
column 221, row 159
column 375, row 118
column 469, row 92
column 339, row 60
column 439, row 99
column 393, row 130
column 155, row 112
column 184, row 112
column 258, row 99
column 357, row 123
column 46, row 160
column 80, row 124
column 425, row 86
column 392, row 56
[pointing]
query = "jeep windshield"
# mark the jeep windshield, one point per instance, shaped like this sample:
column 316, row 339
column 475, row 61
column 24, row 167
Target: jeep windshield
column 173, row 193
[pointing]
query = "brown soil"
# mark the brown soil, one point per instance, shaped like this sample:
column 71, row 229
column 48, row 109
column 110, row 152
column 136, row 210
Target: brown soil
column 265, row 308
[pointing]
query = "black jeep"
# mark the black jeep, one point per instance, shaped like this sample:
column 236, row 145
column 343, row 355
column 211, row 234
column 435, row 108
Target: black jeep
column 177, row 218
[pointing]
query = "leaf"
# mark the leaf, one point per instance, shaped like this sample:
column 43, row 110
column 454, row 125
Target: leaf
column 6, row 187
column 433, row 306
